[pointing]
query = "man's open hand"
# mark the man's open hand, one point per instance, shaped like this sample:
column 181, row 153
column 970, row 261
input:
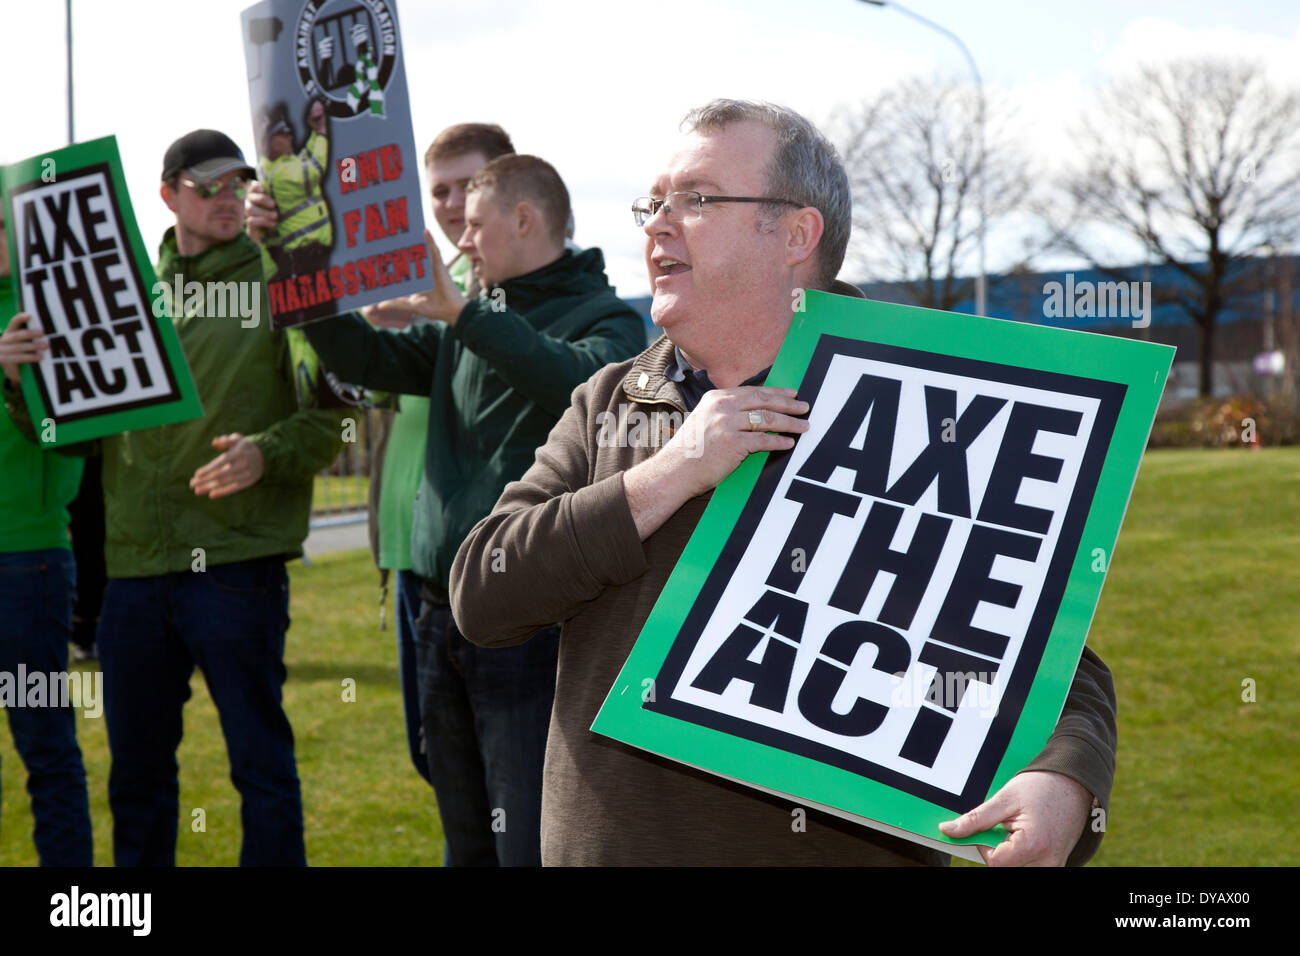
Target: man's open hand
column 1044, row 812
column 23, row 342
column 239, row 466
column 442, row 303
column 260, row 212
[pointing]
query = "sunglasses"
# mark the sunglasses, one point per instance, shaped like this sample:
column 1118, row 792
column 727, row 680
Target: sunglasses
column 238, row 187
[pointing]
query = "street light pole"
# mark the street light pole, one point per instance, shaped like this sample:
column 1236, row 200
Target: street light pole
column 67, row 7
column 980, row 301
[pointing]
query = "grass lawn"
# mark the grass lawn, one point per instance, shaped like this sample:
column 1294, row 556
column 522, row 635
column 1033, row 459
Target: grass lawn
column 1203, row 594
column 362, row 800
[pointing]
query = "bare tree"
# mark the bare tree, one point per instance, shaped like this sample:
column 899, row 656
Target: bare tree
column 1195, row 161
column 913, row 159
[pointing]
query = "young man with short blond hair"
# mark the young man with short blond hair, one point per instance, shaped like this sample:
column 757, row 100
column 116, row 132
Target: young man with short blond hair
column 498, row 370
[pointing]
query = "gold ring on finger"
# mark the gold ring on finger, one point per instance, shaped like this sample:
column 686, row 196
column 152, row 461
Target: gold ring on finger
column 755, row 421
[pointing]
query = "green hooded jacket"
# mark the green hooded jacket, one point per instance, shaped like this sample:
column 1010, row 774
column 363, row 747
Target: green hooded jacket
column 154, row 522
column 497, row 381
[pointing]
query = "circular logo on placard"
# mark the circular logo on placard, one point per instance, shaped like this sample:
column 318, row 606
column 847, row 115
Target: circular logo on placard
column 345, row 52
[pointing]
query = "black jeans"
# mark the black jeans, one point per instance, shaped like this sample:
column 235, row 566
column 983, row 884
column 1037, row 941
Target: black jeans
column 486, row 712
column 37, row 589
column 230, row 622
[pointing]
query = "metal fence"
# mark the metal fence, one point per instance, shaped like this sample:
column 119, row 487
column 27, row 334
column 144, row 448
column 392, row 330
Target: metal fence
column 342, row 489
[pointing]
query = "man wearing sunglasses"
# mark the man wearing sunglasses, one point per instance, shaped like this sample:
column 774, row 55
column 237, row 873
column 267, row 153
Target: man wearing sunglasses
column 236, row 484
column 753, row 207
column 200, row 518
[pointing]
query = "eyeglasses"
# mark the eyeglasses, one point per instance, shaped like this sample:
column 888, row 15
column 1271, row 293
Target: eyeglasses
column 686, row 206
column 238, row 187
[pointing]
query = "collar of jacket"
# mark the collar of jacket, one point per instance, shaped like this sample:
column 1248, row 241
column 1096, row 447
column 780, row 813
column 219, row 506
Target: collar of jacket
column 574, row 273
column 645, row 382
column 221, row 261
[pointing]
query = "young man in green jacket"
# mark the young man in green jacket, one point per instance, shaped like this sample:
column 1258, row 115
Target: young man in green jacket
column 200, row 518
column 455, row 155
column 498, row 370
column 37, row 592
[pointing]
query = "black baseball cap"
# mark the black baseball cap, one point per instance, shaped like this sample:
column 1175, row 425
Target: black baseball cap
column 207, row 155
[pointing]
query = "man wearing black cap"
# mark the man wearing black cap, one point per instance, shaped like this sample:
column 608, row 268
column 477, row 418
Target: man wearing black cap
column 200, row 518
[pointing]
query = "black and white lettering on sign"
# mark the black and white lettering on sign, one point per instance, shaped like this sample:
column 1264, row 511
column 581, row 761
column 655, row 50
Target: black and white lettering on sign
column 76, row 273
column 889, row 588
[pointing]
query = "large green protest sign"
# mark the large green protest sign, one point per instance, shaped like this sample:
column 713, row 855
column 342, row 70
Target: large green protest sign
column 884, row 622
column 79, row 266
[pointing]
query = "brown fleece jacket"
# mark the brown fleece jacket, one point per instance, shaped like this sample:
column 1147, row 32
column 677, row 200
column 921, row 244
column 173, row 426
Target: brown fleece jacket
column 571, row 553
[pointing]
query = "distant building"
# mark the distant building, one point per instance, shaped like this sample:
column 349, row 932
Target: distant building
column 1261, row 315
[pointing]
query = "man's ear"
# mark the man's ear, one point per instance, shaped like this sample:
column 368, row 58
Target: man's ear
column 526, row 219
column 168, row 195
column 805, row 232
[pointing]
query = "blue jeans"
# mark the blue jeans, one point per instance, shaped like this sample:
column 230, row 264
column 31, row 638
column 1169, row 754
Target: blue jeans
column 37, row 591
column 486, row 714
column 406, row 609
column 230, row 621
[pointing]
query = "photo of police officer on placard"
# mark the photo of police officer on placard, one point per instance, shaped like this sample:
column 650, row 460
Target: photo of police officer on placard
column 337, row 163
column 295, row 178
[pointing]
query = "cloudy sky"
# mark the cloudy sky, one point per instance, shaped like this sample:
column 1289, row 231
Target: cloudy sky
column 597, row 87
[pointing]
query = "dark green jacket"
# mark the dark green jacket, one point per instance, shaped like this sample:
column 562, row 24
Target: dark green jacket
column 246, row 382
column 35, row 485
column 498, row 381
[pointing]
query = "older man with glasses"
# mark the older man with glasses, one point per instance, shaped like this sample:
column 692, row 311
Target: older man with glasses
column 753, row 207
column 200, row 518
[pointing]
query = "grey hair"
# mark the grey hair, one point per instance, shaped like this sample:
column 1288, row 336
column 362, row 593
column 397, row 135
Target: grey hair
column 805, row 167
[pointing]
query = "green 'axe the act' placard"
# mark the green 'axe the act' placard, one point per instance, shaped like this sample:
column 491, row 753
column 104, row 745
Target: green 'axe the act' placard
column 884, row 622
column 115, row 363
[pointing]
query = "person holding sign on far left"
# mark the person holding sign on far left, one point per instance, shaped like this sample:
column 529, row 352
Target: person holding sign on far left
column 200, row 519
column 37, row 592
